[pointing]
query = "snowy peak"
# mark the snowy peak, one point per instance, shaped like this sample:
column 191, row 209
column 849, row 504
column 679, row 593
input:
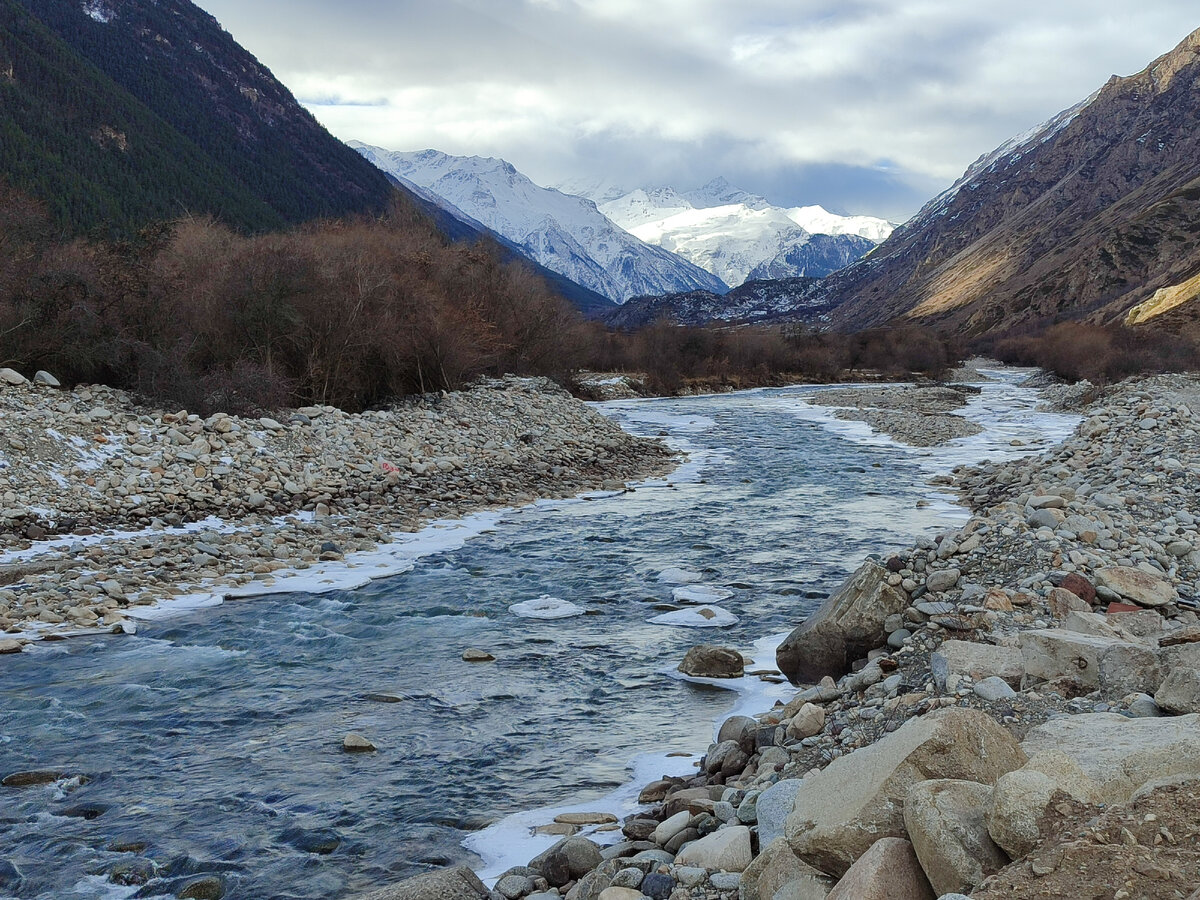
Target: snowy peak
column 818, row 220
column 564, row 233
column 598, row 190
column 737, row 235
column 720, row 192
column 642, row 206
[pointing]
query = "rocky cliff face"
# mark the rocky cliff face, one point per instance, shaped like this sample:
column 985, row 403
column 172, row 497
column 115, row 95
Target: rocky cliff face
column 1086, row 217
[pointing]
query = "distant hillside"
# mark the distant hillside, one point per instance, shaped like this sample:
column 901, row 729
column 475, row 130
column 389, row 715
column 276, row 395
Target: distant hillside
column 739, row 236
column 564, row 233
column 117, row 113
column 1092, row 216
column 755, row 301
column 461, row 228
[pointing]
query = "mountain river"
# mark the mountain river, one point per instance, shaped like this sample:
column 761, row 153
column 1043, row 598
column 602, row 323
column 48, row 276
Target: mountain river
column 212, row 738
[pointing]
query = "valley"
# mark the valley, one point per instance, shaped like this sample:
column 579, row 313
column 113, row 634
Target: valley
column 691, row 480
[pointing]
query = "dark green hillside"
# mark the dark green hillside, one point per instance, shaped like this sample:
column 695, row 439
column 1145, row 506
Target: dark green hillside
column 156, row 112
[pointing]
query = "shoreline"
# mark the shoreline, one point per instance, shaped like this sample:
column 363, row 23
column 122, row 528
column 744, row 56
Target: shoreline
column 495, row 844
column 326, row 501
column 1021, row 600
column 744, row 705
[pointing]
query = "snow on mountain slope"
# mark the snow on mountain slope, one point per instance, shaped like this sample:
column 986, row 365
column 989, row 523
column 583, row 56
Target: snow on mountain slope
column 745, row 234
column 819, row 220
column 643, row 206
column 720, row 192
column 728, row 241
column 564, row 233
column 1008, row 153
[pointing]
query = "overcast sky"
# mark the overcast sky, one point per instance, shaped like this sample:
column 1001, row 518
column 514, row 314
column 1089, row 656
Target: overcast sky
column 865, row 106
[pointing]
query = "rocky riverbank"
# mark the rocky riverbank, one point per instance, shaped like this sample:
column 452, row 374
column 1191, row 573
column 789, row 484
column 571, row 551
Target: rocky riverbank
column 918, row 415
column 107, row 506
column 1009, row 710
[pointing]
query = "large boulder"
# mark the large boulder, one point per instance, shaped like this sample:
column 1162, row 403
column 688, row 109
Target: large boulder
column 1121, row 754
column 459, row 883
column 778, row 868
column 1130, row 669
column 727, row 850
column 944, row 818
column 983, row 661
column 774, row 806
column 1141, row 587
column 569, row 859
column 1021, row 800
column 888, row 870
column 809, row 720
column 847, row 627
column 843, row 809
column 1180, row 692
column 1051, row 653
column 706, row 661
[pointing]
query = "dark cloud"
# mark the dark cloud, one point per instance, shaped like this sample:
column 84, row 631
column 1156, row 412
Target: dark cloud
column 868, row 106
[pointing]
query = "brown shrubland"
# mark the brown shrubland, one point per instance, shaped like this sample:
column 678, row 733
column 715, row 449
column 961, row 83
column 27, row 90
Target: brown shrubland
column 355, row 313
column 1101, row 354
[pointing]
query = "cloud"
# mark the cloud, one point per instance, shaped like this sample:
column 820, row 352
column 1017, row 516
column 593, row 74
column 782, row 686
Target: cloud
column 868, row 105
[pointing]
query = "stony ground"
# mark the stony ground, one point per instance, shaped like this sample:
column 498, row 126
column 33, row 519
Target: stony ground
column 78, row 468
column 1008, row 709
column 1018, row 715
column 918, row 415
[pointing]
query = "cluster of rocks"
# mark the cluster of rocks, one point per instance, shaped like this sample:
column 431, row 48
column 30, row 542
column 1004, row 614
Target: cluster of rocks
column 605, row 386
column 1009, row 710
column 918, row 415
column 96, row 491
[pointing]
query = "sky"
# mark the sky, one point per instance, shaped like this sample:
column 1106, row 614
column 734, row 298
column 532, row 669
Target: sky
column 864, row 106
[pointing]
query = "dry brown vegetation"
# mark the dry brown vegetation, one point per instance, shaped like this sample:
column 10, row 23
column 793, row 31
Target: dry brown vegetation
column 346, row 313
column 354, row 313
column 1101, row 354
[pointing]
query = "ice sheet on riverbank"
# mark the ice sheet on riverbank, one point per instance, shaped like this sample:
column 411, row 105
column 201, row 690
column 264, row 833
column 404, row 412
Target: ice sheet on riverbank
column 1013, row 425
column 512, row 842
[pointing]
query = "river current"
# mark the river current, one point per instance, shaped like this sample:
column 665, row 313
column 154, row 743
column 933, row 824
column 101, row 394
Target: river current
column 213, row 737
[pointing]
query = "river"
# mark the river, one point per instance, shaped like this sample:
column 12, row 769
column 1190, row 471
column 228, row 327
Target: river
column 213, row 737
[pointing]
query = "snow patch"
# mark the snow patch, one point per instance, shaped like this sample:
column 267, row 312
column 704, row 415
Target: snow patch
column 700, row 593
column 99, row 11
column 702, row 617
column 546, row 607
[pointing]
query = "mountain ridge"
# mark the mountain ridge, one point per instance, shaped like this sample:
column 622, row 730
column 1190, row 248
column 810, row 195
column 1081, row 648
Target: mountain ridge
column 118, row 113
column 567, row 234
column 740, row 236
column 1084, row 217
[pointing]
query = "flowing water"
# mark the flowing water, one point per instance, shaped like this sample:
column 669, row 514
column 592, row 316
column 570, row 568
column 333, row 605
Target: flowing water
column 214, row 737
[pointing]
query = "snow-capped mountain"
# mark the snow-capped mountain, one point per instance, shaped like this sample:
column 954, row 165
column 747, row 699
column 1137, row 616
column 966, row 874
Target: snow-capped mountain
column 738, row 235
column 566, row 234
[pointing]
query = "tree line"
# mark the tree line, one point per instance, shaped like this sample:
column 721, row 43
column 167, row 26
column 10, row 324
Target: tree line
column 356, row 312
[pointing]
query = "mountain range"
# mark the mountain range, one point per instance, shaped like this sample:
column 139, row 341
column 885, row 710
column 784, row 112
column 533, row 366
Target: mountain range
column 1091, row 216
column 739, row 236
column 120, row 113
column 754, row 301
column 564, row 233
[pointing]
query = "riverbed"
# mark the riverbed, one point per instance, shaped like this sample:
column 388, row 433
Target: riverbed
column 213, row 737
